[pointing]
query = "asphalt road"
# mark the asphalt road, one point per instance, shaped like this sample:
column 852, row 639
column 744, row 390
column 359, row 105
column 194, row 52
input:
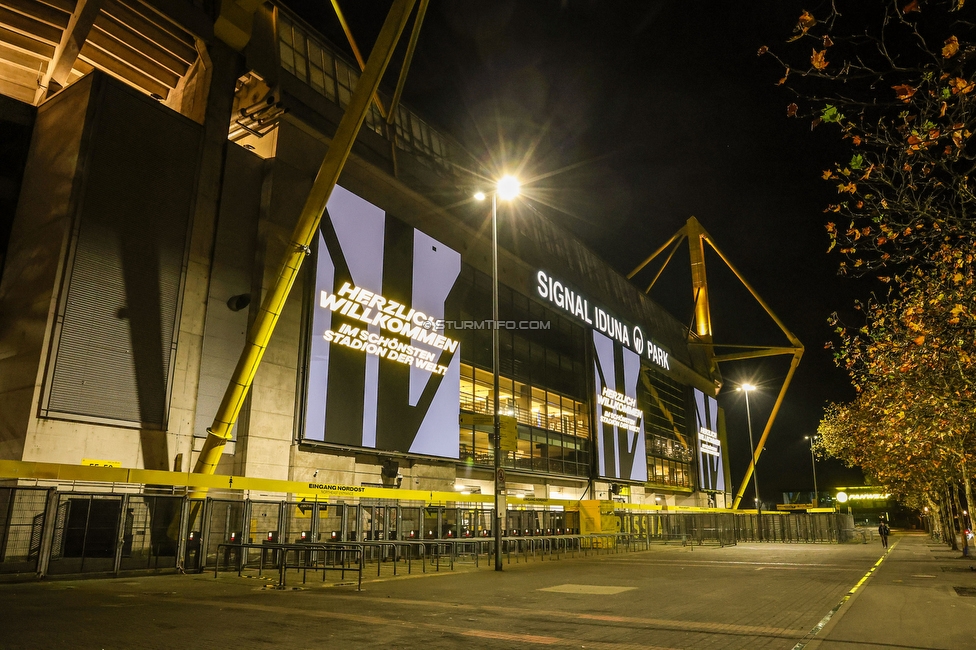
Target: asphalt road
column 747, row 596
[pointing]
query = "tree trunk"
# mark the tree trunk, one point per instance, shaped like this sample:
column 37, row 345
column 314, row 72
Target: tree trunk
column 950, row 520
column 935, row 517
column 945, row 517
column 967, row 485
column 959, row 516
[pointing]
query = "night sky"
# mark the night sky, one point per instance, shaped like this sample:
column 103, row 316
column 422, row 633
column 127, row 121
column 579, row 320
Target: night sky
column 641, row 114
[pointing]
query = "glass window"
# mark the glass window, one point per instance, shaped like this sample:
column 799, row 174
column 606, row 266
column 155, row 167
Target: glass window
column 523, row 456
column 523, row 403
column 287, row 58
column 540, row 450
column 551, row 427
column 314, row 53
column 284, row 31
column 467, row 448
column 317, row 78
column 538, row 407
column 553, row 412
column 328, row 67
column 483, row 391
column 484, row 452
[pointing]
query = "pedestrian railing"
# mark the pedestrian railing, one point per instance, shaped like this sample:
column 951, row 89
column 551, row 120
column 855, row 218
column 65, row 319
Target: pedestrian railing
column 52, row 530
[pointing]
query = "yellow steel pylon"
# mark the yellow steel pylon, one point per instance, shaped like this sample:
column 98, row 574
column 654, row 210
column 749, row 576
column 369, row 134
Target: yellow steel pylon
column 301, row 239
column 701, row 333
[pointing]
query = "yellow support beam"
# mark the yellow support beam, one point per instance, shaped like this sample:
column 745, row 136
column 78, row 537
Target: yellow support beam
column 355, row 51
column 26, row 470
column 699, row 282
column 769, row 425
column 702, row 327
column 301, row 239
column 407, row 59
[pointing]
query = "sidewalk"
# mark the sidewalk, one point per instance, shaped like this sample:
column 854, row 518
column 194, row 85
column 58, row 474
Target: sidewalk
column 748, row 596
column 922, row 595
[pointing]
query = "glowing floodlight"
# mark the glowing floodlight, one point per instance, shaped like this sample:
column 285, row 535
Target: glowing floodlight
column 508, row 188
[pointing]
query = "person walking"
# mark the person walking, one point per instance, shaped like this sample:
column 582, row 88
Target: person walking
column 883, row 531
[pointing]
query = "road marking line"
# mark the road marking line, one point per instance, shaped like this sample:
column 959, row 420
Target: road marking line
column 709, row 562
column 596, row 590
column 819, row 626
column 658, row 623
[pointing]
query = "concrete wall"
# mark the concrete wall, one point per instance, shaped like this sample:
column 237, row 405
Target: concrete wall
column 38, row 244
column 30, row 290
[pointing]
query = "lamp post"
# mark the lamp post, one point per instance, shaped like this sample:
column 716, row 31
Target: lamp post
column 507, row 188
column 813, row 461
column 748, row 388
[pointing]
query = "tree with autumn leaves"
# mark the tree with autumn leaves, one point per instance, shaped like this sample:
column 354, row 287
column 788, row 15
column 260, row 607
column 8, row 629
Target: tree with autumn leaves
column 912, row 426
column 897, row 82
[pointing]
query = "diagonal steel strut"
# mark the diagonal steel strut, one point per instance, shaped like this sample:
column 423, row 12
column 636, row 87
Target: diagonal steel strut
column 308, row 222
column 697, row 238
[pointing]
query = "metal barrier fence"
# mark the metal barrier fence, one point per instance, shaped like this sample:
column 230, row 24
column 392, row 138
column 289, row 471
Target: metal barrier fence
column 50, row 531
column 821, row 527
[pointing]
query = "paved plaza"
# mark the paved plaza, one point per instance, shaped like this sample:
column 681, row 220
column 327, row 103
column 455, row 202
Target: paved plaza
column 746, row 596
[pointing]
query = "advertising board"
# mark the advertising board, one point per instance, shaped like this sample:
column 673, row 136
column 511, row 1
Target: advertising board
column 711, row 470
column 380, row 376
column 619, row 421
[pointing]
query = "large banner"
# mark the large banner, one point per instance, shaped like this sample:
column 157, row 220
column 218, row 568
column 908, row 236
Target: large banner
column 620, row 449
column 380, row 375
column 711, row 471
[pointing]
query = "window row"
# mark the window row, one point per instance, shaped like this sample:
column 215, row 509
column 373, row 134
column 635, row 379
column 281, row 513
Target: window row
column 530, row 405
column 314, row 64
column 667, row 447
column 669, row 473
column 538, row 450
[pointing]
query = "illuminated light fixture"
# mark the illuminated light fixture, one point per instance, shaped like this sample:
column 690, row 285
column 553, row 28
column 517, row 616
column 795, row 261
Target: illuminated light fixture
column 874, row 496
column 479, row 196
column 842, row 497
column 458, row 487
column 508, row 187
column 747, row 388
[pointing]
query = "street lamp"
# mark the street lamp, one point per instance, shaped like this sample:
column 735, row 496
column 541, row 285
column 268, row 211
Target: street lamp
column 748, row 388
column 507, row 188
column 813, row 461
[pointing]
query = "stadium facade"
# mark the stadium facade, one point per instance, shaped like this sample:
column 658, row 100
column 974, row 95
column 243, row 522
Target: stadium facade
column 167, row 163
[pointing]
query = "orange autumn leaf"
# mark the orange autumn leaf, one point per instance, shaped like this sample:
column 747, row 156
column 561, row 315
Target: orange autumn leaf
column 806, row 21
column 818, row 59
column 903, row 92
column 920, row 340
column 960, row 85
column 951, row 47
column 910, row 7
column 791, row 110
